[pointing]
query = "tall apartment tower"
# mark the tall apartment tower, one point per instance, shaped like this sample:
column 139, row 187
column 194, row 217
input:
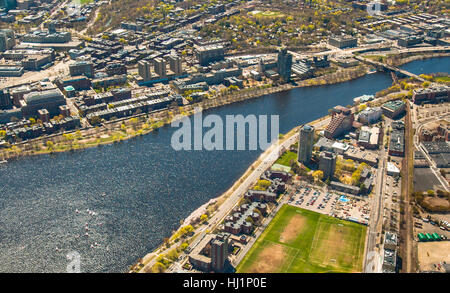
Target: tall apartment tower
column 327, row 164
column 175, row 64
column 160, row 67
column 284, row 64
column 144, row 69
column 305, row 144
column 219, row 251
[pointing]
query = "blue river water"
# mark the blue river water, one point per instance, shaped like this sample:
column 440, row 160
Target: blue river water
column 113, row 204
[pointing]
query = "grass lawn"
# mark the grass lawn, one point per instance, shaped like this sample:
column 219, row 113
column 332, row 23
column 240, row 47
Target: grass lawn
column 83, row 1
column 269, row 14
column 286, row 158
column 443, row 79
column 302, row 241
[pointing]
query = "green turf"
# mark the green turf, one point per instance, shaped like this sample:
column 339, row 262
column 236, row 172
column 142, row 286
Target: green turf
column 286, row 158
column 311, row 250
column 442, row 79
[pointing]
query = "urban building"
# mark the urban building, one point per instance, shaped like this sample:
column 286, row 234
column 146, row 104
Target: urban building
column 7, row 39
column 219, row 251
column 370, row 115
column 85, row 68
column 389, row 261
column 343, row 41
column 47, row 37
column 284, row 64
column 211, row 253
column 397, row 139
column 238, row 221
column 175, row 64
column 115, row 69
column 144, row 69
column 209, row 53
column 327, row 164
column 11, row 70
column 408, row 41
column 47, row 99
column 305, row 144
column 369, row 137
column 342, row 120
column 5, row 100
column 160, row 67
column 344, row 187
column 433, row 94
column 393, row 109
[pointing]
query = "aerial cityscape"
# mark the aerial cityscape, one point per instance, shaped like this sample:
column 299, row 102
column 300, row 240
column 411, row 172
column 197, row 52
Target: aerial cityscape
column 224, row 136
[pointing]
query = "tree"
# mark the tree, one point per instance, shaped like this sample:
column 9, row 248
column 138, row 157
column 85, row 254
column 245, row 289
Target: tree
column 317, row 175
column 362, row 107
column 50, row 145
column 203, row 218
column 158, row 267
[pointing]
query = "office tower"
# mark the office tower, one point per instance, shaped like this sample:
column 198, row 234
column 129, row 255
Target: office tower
column 144, row 69
column 327, row 164
column 160, row 67
column 284, row 64
column 305, row 144
column 175, row 64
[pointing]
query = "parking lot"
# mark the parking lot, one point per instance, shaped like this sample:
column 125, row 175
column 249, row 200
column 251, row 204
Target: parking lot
column 391, row 212
column 330, row 203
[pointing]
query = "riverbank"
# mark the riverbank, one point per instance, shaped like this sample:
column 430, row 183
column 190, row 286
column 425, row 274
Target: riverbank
column 131, row 127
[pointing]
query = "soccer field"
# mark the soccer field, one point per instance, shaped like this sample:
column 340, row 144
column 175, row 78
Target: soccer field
column 302, row 241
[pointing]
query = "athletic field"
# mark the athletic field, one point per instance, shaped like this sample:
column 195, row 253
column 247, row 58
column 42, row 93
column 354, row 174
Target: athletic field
column 302, row 241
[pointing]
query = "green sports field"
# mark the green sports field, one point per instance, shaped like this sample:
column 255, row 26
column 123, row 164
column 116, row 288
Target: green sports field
column 302, row 241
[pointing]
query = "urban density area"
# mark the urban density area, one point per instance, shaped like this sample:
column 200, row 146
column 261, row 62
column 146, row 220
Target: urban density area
column 359, row 183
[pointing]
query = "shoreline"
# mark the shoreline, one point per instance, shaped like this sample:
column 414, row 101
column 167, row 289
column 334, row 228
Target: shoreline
column 15, row 152
column 165, row 116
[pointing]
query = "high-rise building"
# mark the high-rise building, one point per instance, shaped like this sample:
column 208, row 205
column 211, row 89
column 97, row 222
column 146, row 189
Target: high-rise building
column 284, row 64
column 160, row 67
column 305, row 144
column 144, row 69
column 219, row 251
column 7, row 39
column 327, row 164
column 175, row 64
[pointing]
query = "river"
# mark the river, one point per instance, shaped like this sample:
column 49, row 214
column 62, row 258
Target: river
column 140, row 189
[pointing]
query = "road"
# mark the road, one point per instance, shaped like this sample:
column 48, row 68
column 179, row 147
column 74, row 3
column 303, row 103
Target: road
column 372, row 261
column 406, row 230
